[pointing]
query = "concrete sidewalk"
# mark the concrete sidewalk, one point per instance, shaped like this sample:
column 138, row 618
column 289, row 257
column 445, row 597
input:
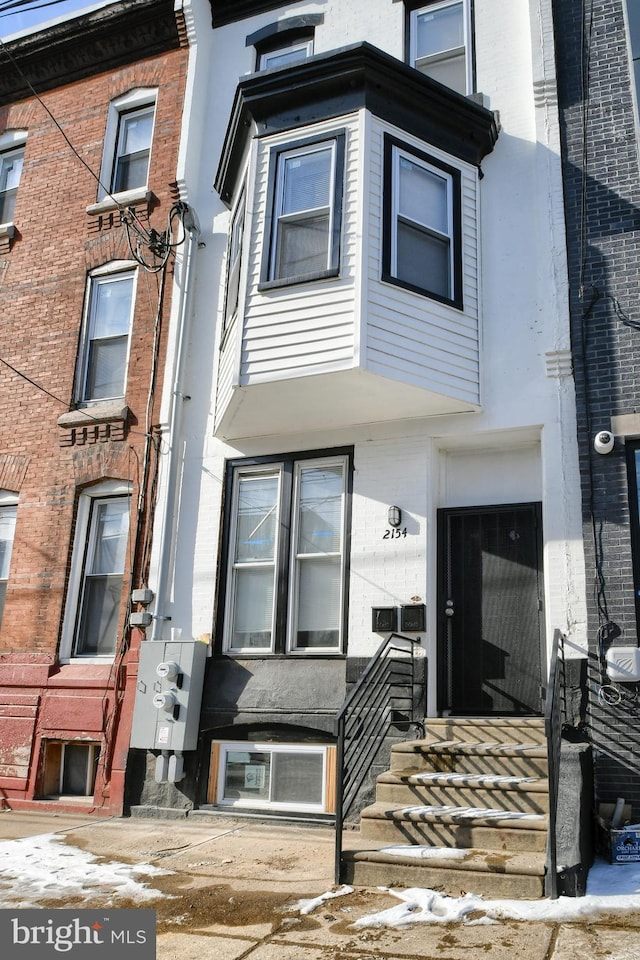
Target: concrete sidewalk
column 231, row 886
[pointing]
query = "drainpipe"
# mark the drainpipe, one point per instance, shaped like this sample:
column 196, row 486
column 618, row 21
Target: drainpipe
column 174, row 423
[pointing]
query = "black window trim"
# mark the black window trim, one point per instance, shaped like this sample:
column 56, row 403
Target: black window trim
column 390, row 144
column 334, row 136
column 239, row 210
column 288, row 462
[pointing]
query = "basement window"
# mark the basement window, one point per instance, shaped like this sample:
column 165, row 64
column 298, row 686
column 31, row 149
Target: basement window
column 70, row 769
column 282, row 776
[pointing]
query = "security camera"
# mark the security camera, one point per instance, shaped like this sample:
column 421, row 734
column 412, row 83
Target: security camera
column 603, row 442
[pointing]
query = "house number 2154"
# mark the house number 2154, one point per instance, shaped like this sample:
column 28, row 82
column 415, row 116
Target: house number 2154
column 394, row 534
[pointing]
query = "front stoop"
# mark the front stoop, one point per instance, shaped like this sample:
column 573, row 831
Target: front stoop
column 463, row 810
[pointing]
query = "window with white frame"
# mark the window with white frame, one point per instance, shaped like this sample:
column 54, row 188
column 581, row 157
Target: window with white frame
column 286, row 558
column 234, row 261
column 305, row 204
column 10, row 172
column 421, row 240
column 127, row 144
column 99, row 568
column 440, row 43
column 106, row 335
column 286, row 53
column 8, row 514
column 281, row 776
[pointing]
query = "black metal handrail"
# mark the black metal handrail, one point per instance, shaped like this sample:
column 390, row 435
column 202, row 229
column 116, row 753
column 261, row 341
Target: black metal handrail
column 382, row 695
column 554, row 715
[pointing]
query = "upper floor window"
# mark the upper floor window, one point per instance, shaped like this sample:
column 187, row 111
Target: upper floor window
column 107, row 328
column 286, row 41
column 305, row 204
column 285, row 54
column 127, row 143
column 286, row 563
column 421, row 246
column 10, row 171
column 92, row 614
column 236, row 235
column 8, row 513
column 440, row 43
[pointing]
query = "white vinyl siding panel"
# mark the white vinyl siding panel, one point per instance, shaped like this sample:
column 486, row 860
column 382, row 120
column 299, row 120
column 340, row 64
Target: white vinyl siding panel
column 308, row 327
column 410, row 336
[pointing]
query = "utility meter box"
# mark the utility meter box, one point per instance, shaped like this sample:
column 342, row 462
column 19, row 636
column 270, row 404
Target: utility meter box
column 623, row 664
column 166, row 714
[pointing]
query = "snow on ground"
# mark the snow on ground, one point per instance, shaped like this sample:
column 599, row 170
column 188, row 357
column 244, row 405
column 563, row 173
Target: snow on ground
column 36, row 869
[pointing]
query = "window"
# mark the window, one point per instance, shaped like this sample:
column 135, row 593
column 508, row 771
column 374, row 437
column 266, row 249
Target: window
column 305, row 197
column 99, row 565
column 281, row 776
column 69, row 768
column 422, row 224
column 8, row 513
column 286, row 569
column 106, row 336
column 236, row 235
column 10, row 170
column 439, row 43
column 127, row 143
column 285, row 54
column 632, row 448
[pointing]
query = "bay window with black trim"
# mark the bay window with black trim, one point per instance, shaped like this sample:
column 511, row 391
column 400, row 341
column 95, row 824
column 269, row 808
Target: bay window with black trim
column 234, row 262
column 440, row 41
column 286, row 545
column 304, row 204
column 421, row 247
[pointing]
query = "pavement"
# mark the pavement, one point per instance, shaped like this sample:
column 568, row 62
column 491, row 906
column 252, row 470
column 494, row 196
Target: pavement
column 231, row 891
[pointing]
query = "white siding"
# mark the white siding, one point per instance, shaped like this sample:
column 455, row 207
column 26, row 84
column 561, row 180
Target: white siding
column 412, row 337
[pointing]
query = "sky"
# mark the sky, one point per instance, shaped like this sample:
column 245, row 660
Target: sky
column 45, row 867
column 34, row 13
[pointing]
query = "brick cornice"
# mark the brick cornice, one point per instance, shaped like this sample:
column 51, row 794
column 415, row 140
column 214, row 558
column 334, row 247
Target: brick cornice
column 84, row 46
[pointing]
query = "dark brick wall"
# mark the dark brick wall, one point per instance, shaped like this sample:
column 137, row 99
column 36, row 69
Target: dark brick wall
column 602, row 197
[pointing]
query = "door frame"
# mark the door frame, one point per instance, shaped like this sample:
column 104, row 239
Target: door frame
column 443, row 664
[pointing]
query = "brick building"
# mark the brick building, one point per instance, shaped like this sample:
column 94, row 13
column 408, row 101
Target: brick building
column 597, row 48
column 90, row 119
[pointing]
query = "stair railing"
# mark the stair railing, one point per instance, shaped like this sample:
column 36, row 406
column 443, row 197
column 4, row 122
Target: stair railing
column 554, row 716
column 382, row 696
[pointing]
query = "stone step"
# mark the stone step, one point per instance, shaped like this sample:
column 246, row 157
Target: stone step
column 484, row 872
column 483, row 729
column 459, row 756
column 488, row 828
column 522, row 794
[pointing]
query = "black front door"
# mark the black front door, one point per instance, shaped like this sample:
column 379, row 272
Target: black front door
column 490, row 610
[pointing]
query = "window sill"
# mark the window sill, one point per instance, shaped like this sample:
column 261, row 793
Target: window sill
column 101, row 411
column 7, row 231
column 422, row 292
column 304, row 278
column 127, row 198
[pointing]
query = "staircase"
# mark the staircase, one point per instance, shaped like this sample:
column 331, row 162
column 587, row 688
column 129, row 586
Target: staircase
column 463, row 810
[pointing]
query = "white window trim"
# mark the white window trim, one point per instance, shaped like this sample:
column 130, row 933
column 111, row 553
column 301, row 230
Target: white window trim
column 9, row 141
column 241, row 746
column 262, row 470
column 114, row 268
column 444, row 55
column 292, row 609
column 7, row 499
column 305, row 45
column 398, row 153
column 109, row 488
column 133, row 100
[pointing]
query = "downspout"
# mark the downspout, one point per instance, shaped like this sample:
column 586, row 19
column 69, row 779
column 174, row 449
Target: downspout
column 172, row 432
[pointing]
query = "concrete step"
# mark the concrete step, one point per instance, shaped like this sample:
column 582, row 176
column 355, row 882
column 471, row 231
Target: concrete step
column 486, row 873
column 486, row 729
column 527, row 759
column 454, row 826
column 522, row 794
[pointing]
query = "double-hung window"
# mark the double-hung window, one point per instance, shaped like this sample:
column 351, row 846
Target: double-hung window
column 286, row 568
column 305, row 203
column 8, row 513
column 285, row 54
column 133, row 148
column 107, row 331
column 236, row 235
column 98, row 571
column 10, row 172
column 422, row 224
column 440, row 43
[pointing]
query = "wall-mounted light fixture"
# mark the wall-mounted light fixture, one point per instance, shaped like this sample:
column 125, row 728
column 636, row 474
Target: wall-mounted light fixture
column 394, row 516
